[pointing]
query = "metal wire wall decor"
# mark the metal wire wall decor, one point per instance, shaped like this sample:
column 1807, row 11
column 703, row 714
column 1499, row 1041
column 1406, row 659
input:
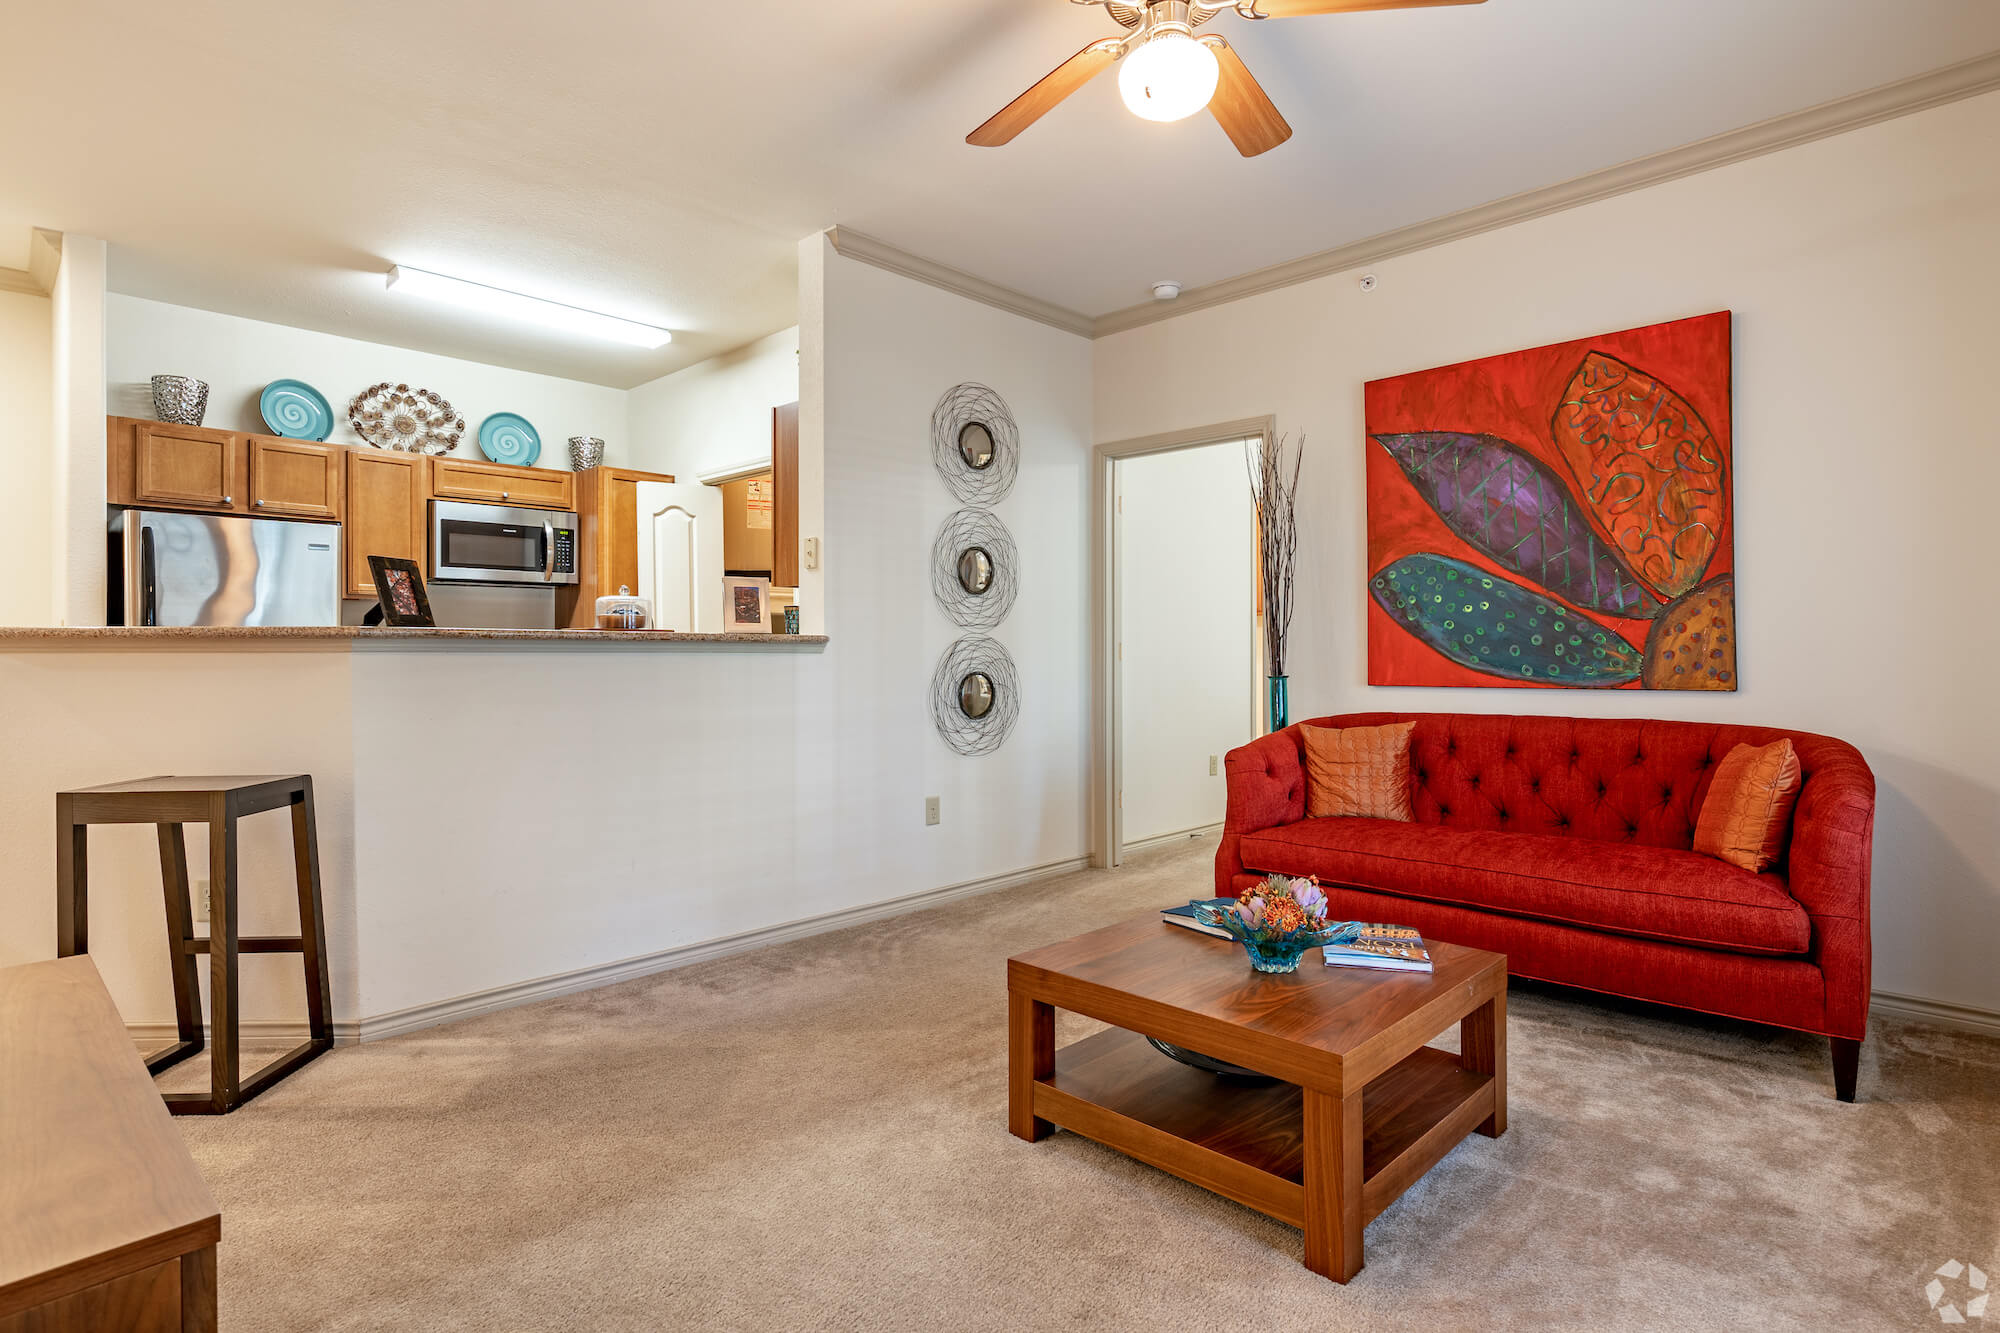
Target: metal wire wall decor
column 975, row 444
column 975, row 569
column 975, row 695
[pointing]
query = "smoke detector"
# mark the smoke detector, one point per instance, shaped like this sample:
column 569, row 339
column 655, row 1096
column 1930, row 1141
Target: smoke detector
column 1166, row 291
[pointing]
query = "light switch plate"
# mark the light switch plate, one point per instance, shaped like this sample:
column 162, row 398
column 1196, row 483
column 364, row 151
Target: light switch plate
column 201, row 900
column 1212, row 763
column 931, row 812
column 812, row 553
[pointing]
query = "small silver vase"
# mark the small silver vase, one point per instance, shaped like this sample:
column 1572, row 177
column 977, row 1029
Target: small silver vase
column 180, row 399
column 585, row 451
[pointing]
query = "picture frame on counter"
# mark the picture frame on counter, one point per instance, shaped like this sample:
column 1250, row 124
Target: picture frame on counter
column 746, row 604
column 399, row 589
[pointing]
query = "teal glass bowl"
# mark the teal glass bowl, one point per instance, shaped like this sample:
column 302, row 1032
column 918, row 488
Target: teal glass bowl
column 1272, row 953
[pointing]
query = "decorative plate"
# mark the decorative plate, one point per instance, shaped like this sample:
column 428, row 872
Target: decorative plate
column 295, row 410
column 507, row 438
column 413, row 421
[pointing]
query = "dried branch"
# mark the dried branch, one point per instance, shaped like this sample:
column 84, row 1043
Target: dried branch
column 1275, row 492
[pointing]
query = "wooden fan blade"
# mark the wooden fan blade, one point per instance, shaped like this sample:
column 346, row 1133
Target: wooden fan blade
column 1041, row 99
column 1291, row 9
column 1240, row 105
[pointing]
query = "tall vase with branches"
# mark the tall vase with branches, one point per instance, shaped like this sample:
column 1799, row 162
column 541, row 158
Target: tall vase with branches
column 1274, row 489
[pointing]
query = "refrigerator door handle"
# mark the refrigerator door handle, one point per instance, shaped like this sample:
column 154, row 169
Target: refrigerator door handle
column 149, row 592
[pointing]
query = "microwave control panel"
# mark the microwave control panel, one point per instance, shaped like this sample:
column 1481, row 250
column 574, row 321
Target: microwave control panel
column 565, row 550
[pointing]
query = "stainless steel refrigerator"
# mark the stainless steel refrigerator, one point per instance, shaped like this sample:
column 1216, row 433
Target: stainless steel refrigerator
column 200, row 569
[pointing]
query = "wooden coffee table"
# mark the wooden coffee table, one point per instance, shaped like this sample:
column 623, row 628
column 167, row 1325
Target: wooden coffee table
column 1364, row 1107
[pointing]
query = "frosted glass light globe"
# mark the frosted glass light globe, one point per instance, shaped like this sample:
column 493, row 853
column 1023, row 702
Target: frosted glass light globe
column 1169, row 78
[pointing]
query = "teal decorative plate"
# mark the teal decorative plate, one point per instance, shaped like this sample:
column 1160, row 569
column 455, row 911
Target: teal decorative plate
column 507, row 438
column 295, row 410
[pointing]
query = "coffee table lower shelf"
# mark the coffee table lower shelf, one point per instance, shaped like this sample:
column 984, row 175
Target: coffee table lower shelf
column 1246, row 1141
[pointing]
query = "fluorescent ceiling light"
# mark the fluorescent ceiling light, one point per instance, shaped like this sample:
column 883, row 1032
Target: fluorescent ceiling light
column 529, row 309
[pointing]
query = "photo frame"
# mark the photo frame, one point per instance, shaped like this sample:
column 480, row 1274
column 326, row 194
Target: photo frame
column 746, row 604
column 399, row 589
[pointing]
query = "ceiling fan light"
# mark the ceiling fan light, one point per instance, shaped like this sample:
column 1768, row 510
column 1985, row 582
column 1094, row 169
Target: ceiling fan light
column 1168, row 78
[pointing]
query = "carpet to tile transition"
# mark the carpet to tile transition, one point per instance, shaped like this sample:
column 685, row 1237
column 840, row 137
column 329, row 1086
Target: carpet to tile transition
column 813, row 1136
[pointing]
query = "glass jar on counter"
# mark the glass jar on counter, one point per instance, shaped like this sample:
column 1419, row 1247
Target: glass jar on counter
column 624, row 611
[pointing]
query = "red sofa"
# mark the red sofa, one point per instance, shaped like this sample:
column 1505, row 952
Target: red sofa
column 1564, row 843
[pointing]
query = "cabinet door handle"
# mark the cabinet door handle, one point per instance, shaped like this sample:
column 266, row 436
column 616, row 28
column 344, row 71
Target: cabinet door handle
column 258, row 503
column 228, row 499
column 503, row 495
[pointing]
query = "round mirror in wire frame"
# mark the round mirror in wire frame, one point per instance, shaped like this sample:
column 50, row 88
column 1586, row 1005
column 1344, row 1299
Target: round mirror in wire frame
column 975, row 445
column 975, row 696
column 975, row 569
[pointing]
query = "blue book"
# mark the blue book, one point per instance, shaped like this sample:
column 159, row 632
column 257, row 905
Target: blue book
column 1184, row 916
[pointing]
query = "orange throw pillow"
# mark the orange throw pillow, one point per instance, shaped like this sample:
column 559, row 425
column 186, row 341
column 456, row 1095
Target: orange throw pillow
column 1359, row 771
column 1748, row 806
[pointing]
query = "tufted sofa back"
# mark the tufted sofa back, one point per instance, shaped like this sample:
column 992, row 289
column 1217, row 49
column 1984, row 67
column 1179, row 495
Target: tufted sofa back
column 1611, row 779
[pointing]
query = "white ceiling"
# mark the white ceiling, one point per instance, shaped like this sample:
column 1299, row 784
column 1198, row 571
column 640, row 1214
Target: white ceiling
column 661, row 159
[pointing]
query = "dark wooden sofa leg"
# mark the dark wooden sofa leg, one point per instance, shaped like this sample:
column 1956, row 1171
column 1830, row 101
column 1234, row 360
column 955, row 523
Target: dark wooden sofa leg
column 1846, row 1064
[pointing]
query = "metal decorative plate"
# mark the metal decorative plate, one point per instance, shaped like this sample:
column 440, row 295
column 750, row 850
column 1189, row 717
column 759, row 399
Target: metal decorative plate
column 295, row 410
column 411, row 421
column 506, row 437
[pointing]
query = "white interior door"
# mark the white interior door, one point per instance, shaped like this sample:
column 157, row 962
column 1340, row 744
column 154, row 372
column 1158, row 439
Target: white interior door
column 680, row 554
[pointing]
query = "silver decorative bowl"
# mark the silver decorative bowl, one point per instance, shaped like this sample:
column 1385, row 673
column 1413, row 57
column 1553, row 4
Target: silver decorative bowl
column 180, row 399
column 585, row 451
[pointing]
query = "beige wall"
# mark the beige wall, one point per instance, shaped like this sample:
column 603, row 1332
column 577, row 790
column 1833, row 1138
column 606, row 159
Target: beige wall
column 715, row 414
column 1862, row 275
column 27, row 452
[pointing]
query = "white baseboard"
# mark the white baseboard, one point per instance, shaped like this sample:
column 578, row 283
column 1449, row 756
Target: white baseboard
column 606, row 974
column 1162, row 839
column 1961, row 1016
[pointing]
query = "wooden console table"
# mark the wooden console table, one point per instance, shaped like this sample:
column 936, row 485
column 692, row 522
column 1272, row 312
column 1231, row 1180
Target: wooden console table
column 108, row 1227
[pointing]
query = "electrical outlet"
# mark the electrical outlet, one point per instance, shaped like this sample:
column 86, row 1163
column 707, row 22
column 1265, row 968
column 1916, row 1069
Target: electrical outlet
column 1213, row 761
column 201, row 900
column 931, row 813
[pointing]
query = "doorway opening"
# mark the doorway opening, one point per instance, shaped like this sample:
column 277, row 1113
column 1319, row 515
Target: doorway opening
column 1179, row 639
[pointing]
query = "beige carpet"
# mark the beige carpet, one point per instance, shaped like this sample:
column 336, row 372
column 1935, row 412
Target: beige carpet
column 812, row 1137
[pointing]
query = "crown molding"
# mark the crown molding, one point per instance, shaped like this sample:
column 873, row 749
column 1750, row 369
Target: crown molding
column 44, row 257
column 39, row 277
column 851, row 244
column 1950, row 84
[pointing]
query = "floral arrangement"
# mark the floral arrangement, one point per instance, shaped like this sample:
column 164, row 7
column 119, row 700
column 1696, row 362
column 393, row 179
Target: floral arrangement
column 1276, row 921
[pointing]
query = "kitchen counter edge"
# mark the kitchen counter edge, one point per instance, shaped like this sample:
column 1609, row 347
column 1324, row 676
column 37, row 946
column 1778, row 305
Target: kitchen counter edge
column 19, row 638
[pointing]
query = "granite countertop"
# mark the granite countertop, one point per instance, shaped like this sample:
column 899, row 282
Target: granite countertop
column 30, row 636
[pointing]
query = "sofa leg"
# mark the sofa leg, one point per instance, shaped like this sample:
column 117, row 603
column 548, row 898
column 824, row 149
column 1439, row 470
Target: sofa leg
column 1846, row 1064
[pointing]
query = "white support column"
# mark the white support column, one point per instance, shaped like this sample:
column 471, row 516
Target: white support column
column 77, row 316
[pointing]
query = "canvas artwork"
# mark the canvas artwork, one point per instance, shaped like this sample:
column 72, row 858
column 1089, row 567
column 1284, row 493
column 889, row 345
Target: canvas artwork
column 1557, row 518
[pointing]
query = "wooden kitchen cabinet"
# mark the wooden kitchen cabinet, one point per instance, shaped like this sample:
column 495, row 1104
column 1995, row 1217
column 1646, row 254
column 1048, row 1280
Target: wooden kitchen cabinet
column 295, row 478
column 607, row 511
column 387, row 495
column 503, row 483
column 785, row 495
column 152, row 463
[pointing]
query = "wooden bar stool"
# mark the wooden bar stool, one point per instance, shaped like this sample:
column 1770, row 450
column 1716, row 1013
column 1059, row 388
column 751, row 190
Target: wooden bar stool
column 172, row 803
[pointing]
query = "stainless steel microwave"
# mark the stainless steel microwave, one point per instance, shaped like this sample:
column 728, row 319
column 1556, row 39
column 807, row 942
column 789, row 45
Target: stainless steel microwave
column 481, row 543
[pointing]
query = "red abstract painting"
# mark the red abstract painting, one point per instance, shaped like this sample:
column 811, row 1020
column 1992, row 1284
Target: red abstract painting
column 1557, row 518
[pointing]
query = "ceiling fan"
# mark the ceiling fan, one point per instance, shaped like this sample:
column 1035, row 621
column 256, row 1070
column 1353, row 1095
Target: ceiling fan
column 1170, row 73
